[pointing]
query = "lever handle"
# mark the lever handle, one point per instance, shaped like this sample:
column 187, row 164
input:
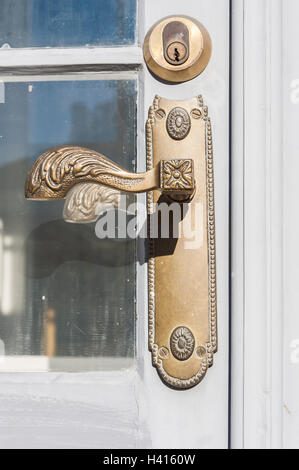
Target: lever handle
column 86, row 178
column 182, row 327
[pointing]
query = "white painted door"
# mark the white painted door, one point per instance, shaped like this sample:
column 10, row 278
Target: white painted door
column 69, row 77
column 264, row 230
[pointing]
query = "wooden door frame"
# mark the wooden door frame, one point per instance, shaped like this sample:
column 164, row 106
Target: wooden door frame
column 257, row 224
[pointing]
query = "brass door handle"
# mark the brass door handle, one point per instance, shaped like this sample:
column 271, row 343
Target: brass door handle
column 84, row 177
column 181, row 275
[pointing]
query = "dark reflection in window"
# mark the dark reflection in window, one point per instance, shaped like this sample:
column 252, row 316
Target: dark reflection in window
column 63, row 291
column 67, row 23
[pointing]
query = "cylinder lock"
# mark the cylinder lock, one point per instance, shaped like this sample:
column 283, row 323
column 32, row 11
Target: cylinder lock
column 177, row 48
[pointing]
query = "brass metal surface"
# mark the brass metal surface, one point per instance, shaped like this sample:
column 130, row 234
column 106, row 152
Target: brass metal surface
column 55, row 172
column 178, row 123
column 86, row 179
column 182, row 280
column 177, row 54
column 175, row 38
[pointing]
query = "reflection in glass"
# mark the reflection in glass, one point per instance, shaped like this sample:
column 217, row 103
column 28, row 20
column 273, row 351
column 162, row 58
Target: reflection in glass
column 63, row 292
column 67, row 23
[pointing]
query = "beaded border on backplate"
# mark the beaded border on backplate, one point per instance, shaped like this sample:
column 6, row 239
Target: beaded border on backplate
column 211, row 347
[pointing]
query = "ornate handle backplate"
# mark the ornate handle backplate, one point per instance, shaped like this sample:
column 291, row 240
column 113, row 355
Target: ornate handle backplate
column 181, row 281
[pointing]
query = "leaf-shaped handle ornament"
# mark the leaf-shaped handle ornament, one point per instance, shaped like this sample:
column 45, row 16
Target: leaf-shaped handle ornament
column 87, row 178
column 182, row 300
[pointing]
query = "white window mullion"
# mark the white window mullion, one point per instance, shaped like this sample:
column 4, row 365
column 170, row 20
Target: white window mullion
column 42, row 57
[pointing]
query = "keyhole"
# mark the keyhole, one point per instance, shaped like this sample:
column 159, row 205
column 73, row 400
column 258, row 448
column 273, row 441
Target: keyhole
column 176, row 53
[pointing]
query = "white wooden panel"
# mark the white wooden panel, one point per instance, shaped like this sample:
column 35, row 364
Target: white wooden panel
column 237, row 225
column 257, row 217
column 55, row 410
column 290, row 248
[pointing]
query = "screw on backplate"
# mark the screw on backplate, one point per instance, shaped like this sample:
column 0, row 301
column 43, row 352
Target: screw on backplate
column 196, row 113
column 201, row 351
column 160, row 113
column 163, row 353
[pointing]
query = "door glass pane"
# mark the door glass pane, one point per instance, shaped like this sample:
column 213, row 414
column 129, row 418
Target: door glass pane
column 67, row 23
column 57, row 278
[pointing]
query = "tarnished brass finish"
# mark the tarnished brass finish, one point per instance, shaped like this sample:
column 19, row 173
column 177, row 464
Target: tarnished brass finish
column 177, row 175
column 182, row 279
column 86, row 178
column 57, row 170
column 178, row 123
column 182, row 343
column 177, row 48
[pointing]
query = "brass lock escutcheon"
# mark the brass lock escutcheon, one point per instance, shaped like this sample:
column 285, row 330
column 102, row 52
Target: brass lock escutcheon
column 181, row 272
column 177, row 48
